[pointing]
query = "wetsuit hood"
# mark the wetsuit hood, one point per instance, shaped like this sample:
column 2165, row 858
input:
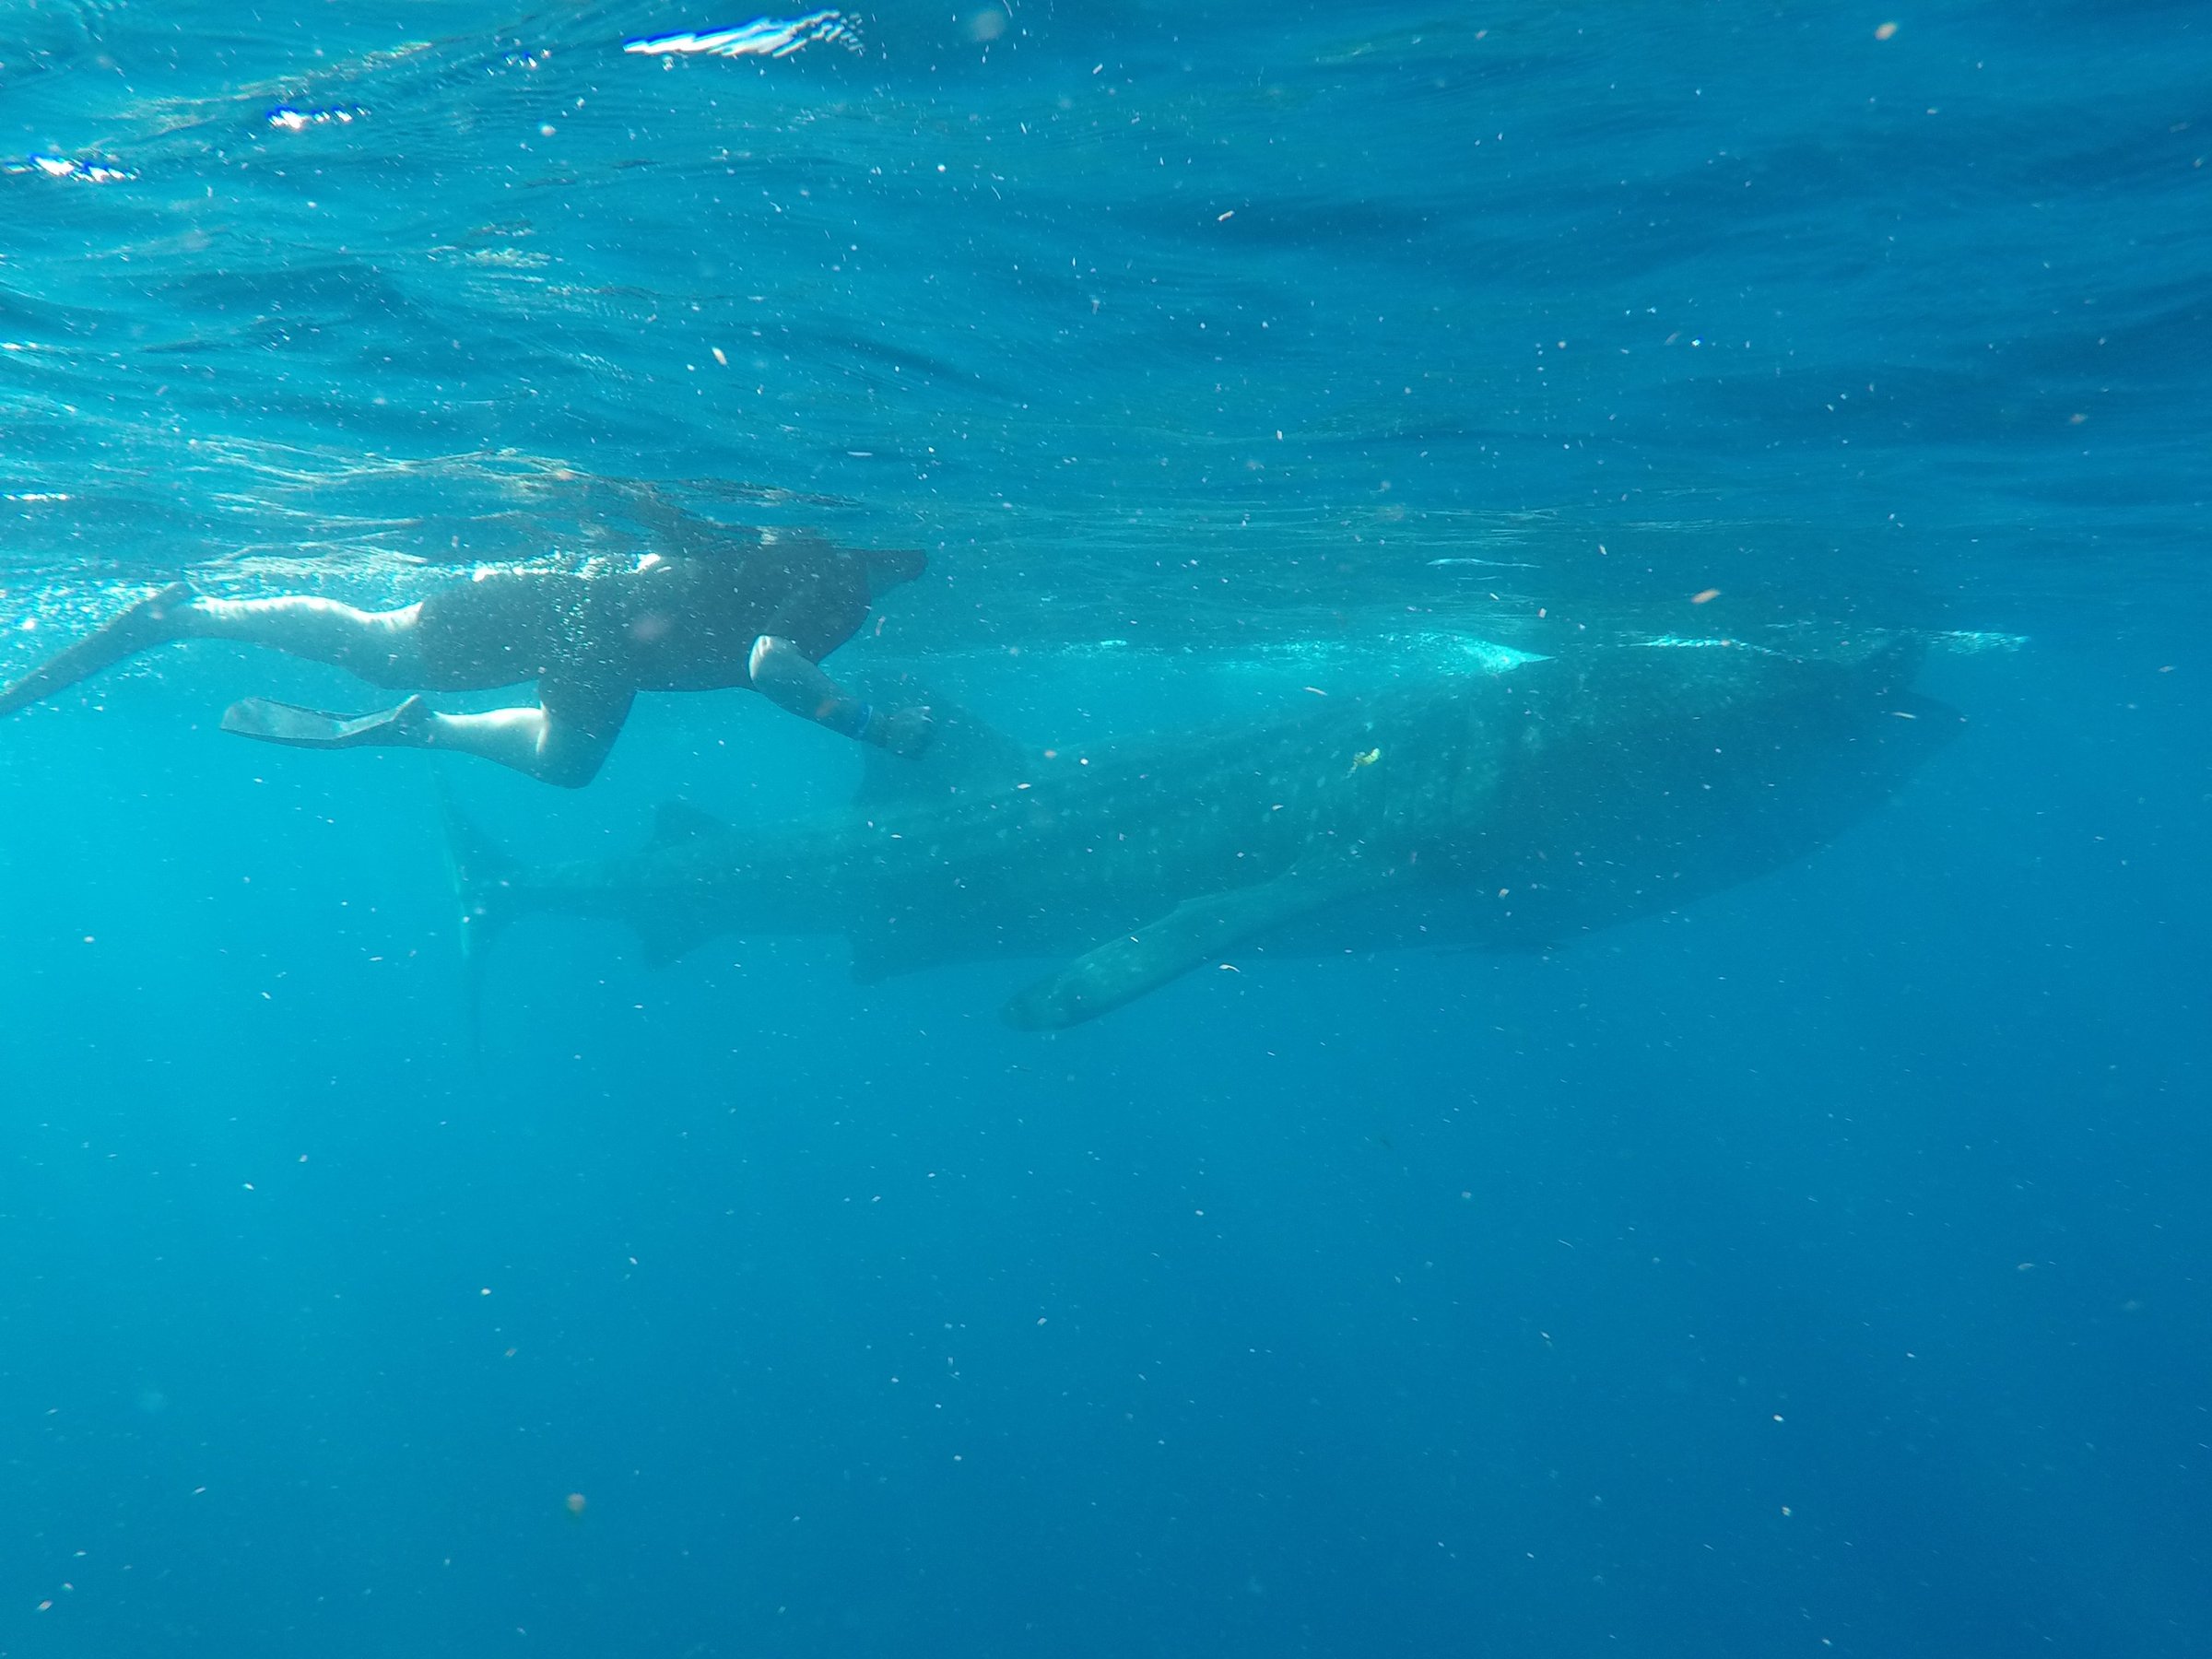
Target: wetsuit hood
column 888, row 567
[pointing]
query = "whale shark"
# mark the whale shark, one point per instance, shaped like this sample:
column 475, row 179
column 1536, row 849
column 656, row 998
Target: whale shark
column 1514, row 809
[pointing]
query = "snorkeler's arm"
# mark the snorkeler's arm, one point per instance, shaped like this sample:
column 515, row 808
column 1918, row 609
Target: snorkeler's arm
column 783, row 673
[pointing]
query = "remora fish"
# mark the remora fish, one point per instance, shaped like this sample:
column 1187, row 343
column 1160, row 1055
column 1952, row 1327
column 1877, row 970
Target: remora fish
column 1513, row 809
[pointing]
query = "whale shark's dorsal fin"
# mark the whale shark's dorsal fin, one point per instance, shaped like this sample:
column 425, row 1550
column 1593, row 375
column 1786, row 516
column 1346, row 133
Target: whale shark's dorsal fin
column 674, row 821
column 965, row 754
column 667, row 932
column 664, row 934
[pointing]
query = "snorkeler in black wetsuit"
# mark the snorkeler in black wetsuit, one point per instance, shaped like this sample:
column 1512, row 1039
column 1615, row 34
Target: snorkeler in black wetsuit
column 761, row 615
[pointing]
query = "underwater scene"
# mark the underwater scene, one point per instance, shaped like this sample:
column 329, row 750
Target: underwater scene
column 1059, row 827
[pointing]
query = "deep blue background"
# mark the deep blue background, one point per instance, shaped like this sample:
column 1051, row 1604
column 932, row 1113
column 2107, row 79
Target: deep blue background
column 1822, row 1270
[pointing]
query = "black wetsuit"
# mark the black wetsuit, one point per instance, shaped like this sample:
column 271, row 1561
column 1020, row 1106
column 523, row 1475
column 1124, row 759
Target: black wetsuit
column 684, row 623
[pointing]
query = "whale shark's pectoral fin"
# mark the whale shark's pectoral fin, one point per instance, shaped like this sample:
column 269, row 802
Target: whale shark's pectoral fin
column 1123, row 970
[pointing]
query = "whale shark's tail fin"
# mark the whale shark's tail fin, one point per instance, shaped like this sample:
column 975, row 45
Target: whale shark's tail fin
column 482, row 885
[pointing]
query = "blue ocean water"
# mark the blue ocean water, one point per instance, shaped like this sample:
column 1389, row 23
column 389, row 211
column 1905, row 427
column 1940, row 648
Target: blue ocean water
column 1821, row 1268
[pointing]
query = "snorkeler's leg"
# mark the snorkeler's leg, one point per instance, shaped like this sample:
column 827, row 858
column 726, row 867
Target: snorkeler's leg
column 547, row 745
column 154, row 620
column 564, row 740
column 563, row 743
column 789, row 678
column 377, row 646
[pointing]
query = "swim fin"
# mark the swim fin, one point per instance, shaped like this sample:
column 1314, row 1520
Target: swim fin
column 407, row 725
column 144, row 626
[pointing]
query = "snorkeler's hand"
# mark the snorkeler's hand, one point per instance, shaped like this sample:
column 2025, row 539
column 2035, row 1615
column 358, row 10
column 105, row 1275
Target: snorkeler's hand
column 908, row 732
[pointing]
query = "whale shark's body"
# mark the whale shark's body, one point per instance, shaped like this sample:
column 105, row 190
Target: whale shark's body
column 1520, row 808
